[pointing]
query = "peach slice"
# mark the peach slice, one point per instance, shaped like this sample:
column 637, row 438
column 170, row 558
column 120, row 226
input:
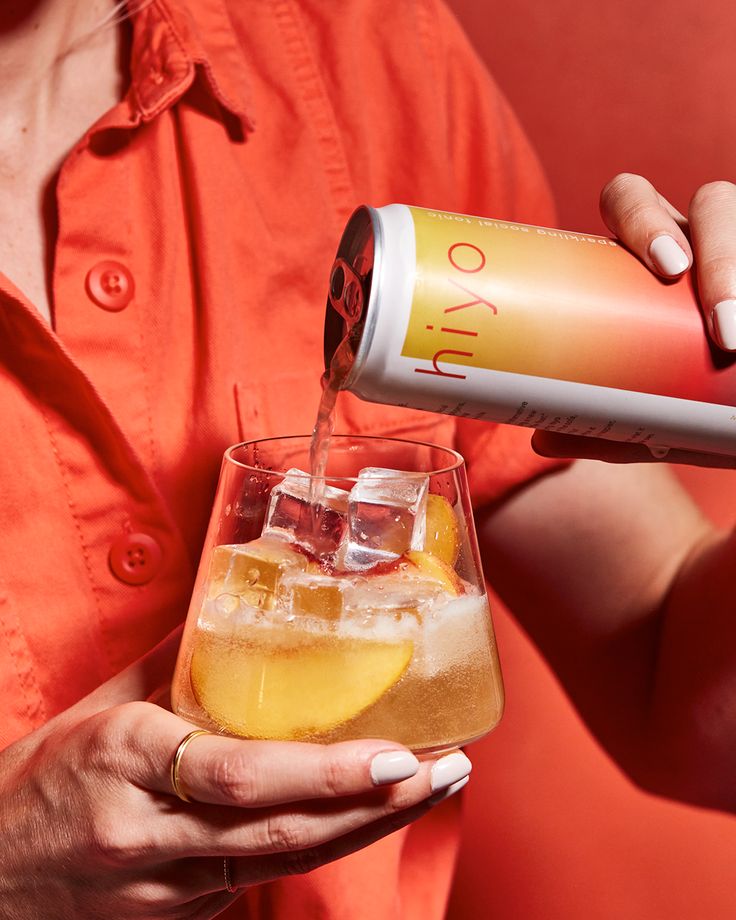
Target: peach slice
column 436, row 569
column 289, row 685
column 443, row 532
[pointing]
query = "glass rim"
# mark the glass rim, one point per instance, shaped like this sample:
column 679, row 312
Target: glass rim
column 458, row 459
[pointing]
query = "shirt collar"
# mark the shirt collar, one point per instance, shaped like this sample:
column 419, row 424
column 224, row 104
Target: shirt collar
column 171, row 40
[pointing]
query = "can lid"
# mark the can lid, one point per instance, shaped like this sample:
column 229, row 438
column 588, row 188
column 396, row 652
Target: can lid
column 350, row 285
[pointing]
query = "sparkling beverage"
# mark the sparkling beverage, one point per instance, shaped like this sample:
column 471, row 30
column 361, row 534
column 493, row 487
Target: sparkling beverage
column 375, row 626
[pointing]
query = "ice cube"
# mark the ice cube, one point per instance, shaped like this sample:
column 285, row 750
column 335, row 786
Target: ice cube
column 394, row 595
column 252, row 570
column 386, row 517
column 318, row 527
column 313, row 595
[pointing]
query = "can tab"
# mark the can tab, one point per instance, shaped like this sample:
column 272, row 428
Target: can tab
column 346, row 291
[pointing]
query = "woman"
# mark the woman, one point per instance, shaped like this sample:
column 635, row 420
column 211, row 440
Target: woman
column 175, row 176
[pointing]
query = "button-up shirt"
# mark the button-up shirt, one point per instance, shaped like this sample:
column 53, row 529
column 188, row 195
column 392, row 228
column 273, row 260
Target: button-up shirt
column 197, row 223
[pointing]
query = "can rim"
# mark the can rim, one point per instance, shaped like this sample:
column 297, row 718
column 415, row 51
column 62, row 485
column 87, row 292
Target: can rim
column 369, row 308
column 363, row 217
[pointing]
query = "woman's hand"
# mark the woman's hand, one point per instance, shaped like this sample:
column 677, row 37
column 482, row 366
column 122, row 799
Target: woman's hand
column 98, row 832
column 669, row 244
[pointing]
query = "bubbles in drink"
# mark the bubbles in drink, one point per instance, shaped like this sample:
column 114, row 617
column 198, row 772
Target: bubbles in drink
column 452, row 636
column 226, row 604
column 393, row 596
column 316, row 522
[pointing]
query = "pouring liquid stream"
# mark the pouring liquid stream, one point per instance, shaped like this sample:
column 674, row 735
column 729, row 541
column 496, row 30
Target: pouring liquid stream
column 347, row 300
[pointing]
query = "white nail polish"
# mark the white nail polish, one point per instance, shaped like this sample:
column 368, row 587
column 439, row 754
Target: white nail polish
column 668, row 256
column 724, row 323
column 392, row 767
column 449, row 770
column 451, row 790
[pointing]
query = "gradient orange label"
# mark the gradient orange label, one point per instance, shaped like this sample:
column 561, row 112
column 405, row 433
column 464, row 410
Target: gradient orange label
column 547, row 303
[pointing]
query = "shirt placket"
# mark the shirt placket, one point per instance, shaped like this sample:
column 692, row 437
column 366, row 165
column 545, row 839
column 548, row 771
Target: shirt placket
column 133, row 558
column 99, row 314
column 124, row 574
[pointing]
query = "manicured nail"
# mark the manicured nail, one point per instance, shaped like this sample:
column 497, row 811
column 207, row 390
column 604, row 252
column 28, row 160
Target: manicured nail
column 392, row 767
column 668, row 256
column 724, row 323
column 451, row 790
column 449, row 770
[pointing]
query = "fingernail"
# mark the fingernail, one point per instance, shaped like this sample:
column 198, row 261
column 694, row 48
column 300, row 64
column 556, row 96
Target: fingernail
column 451, row 790
column 449, row 770
column 392, row 767
column 668, row 256
column 724, row 323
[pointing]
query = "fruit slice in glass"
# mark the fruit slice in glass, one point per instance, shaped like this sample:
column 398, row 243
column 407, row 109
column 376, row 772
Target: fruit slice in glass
column 313, row 683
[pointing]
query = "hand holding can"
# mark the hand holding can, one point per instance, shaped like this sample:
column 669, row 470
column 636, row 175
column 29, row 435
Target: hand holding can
column 567, row 333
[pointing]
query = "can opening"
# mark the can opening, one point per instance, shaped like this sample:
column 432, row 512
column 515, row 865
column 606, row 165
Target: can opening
column 346, row 293
column 350, row 285
column 337, row 283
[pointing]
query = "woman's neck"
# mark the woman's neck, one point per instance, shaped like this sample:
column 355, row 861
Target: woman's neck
column 60, row 71
column 35, row 38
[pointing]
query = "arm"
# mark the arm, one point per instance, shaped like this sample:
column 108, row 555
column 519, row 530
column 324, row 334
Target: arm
column 626, row 590
column 631, row 594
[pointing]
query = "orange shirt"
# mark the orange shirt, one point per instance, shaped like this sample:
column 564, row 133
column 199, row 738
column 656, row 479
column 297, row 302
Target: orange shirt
column 197, row 224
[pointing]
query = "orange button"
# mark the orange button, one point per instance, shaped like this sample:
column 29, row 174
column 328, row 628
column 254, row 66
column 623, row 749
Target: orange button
column 135, row 558
column 110, row 285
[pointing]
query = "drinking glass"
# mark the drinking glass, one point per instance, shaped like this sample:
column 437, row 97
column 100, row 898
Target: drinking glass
column 347, row 607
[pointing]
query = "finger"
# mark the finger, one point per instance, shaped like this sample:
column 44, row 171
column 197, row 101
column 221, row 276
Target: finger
column 209, row 905
column 192, row 887
column 647, row 224
column 166, row 885
column 713, row 229
column 205, row 830
column 256, row 871
column 228, row 771
column 548, row 444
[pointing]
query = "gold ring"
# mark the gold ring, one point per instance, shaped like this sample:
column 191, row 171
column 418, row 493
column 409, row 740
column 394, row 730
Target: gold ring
column 228, row 876
column 176, row 763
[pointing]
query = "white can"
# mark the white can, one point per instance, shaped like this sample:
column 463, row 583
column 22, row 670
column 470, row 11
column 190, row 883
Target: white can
column 525, row 325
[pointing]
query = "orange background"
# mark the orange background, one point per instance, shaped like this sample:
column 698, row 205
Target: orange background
column 552, row 830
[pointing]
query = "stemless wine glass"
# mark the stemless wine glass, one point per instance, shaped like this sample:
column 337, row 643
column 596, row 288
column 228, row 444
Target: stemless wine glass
column 350, row 607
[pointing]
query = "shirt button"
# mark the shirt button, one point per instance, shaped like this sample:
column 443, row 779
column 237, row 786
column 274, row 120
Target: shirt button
column 135, row 558
column 110, row 285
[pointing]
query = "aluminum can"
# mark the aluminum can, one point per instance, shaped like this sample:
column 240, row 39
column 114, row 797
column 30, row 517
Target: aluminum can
column 525, row 325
